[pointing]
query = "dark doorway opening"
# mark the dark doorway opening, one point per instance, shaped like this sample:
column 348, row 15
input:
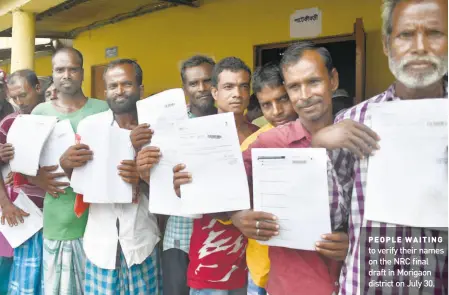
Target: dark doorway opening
column 348, row 56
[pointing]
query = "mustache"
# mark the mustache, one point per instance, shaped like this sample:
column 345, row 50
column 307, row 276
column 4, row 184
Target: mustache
column 311, row 101
column 203, row 95
column 428, row 58
column 133, row 96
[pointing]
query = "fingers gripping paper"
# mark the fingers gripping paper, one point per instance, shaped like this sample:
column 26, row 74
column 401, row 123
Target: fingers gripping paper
column 17, row 235
column 28, row 135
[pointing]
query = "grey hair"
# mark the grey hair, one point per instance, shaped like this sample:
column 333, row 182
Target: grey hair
column 388, row 7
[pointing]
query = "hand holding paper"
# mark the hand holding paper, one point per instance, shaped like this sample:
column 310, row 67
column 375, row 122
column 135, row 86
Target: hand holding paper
column 99, row 180
column 256, row 225
column 293, row 185
column 128, row 171
column 17, row 235
column 334, row 245
column 27, row 135
column 162, row 112
column 12, row 215
column 141, row 136
column 60, row 139
column 146, row 159
column 210, row 149
column 6, row 152
column 180, row 177
column 50, row 180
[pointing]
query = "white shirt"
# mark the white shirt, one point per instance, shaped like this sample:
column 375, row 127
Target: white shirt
column 138, row 231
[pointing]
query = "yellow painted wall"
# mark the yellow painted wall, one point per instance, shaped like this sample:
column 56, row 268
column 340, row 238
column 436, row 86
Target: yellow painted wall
column 220, row 28
column 42, row 66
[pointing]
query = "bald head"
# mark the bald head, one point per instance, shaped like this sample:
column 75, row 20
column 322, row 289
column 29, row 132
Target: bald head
column 28, row 75
column 71, row 51
column 68, row 73
column 24, row 89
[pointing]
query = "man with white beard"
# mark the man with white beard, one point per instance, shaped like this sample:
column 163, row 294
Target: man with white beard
column 415, row 41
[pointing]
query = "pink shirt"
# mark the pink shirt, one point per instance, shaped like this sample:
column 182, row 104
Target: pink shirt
column 296, row 271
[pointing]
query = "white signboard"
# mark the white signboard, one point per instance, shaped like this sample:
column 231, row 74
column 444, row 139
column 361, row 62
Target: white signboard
column 305, row 23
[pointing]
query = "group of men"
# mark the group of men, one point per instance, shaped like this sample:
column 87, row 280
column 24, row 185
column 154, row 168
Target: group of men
column 116, row 248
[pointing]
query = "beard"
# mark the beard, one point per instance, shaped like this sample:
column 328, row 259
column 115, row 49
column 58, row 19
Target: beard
column 416, row 80
column 126, row 106
column 203, row 105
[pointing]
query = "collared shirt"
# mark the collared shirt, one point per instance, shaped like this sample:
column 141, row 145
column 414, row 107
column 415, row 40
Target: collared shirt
column 293, row 270
column 138, row 232
column 352, row 174
column 178, row 230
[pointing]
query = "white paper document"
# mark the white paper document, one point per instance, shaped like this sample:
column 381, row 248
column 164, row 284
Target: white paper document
column 166, row 106
column 61, row 138
column 17, row 235
column 162, row 111
column 292, row 185
column 209, row 147
column 28, row 134
column 407, row 178
column 98, row 180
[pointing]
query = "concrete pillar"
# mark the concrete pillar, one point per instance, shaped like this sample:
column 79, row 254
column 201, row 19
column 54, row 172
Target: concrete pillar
column 23, row 34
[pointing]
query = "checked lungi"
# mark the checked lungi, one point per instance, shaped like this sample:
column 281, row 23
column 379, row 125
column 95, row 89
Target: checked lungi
column 144, row 278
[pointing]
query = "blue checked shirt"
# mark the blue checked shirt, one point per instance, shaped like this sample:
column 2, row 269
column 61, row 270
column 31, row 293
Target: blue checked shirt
column 177, row 233
column 179, row 229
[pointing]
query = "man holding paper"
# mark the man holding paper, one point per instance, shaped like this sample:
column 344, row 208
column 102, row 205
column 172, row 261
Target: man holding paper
column 309, row 79
column 217, row 261
column 415, row 42
column 64, row 257
column 121, row 240
column 5, row 249
column 24, row 89
column 196, row 75
column 277, row 109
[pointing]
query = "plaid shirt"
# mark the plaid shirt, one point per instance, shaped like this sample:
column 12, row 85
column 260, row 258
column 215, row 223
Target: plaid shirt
column 178, row 230
column 178, row 233
column 352, row 174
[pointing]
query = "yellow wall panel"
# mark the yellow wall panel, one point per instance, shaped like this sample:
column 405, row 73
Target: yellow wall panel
column 220, row 28
column 42, row 66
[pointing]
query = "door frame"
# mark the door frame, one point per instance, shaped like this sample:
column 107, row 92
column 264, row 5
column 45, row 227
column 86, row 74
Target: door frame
column 357, row 35
column 92, row 78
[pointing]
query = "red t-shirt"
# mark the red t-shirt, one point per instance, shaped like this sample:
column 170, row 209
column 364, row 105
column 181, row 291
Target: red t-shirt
column 217, row 256
column 294, row 271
